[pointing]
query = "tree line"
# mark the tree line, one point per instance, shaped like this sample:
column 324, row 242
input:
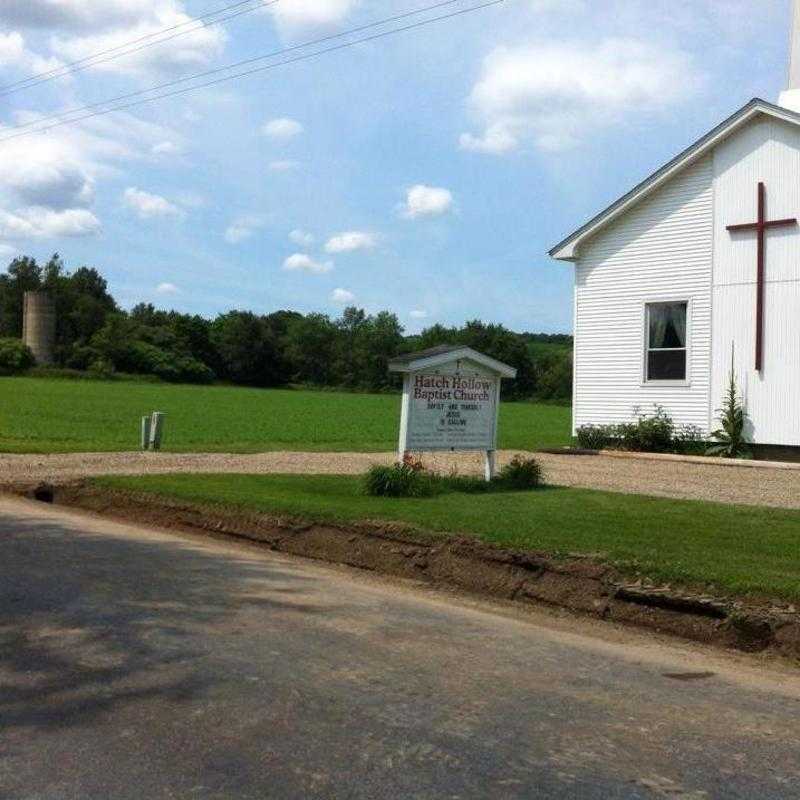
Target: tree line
column 285, row 347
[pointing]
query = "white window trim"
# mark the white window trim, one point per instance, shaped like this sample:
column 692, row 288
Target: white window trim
column 646, row 383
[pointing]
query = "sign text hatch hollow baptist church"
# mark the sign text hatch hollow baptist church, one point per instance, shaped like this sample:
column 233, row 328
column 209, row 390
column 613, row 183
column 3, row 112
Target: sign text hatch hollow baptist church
column 699, row 260
column 451, row 399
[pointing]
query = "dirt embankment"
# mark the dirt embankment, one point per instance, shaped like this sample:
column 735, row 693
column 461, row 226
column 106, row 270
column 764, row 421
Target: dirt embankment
column 578, row 584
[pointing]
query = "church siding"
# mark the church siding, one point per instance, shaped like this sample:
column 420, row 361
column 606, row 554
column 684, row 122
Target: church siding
column 660, row 250
column 767, row 150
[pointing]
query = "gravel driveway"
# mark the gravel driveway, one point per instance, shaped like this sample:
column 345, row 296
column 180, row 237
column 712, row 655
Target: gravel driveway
column 749, row 486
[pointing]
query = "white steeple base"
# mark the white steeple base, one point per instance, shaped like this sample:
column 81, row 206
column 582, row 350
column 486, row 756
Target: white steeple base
column 790, row 99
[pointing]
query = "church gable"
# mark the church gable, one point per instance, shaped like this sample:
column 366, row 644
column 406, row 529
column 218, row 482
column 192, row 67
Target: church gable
column 670, row 220
column 765, row 151
column 757, row 110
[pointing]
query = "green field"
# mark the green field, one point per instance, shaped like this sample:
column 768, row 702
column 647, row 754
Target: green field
column 46, row 415
column 736, row 549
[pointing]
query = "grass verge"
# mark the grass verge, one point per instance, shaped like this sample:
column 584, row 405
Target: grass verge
column 737, row 550
column 41, row 415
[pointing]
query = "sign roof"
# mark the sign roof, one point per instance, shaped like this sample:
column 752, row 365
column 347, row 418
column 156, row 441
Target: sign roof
column 446, row 354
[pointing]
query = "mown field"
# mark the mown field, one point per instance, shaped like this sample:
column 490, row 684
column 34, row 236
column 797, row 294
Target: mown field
column 737, row 549
column 50, row 415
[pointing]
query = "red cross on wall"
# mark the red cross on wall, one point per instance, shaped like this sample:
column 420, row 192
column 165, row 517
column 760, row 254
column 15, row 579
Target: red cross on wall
column 761, row 226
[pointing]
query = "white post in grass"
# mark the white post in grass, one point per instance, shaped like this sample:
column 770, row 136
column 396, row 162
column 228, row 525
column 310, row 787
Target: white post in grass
column 402, row 447
column 156, row 430
column 490, row 465
column 145, row 433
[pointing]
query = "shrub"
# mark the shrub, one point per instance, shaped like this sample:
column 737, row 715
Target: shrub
column 101, row 368
column 82, row 357
column 411, row 479
column 730, row 438
column 520, row 474
column 688, row 440
column 647, row 434
column 15, row 356
column 399, row 480
column 594, row 437
column 654, row 433
column 176, row 368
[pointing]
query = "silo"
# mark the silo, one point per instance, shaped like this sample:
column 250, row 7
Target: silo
column 39, row 326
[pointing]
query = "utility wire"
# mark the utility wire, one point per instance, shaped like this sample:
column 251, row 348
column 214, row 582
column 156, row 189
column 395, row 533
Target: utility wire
column 197, row 76
column 113, row 53
column 36, row 126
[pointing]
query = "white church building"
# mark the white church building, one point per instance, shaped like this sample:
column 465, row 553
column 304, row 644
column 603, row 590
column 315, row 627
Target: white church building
column 700, row 260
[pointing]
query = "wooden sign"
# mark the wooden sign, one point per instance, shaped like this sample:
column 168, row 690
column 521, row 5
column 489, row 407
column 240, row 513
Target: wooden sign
column 453, row 409
column 451, row 399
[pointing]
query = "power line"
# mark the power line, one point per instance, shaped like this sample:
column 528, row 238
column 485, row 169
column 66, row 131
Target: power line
column 217, row 70
column 113, row 53
column 36, row 126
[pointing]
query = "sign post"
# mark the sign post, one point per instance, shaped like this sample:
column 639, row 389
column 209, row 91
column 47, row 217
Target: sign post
column 451, row 400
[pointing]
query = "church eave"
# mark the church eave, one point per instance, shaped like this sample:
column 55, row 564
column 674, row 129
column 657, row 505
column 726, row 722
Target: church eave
column 567, row 250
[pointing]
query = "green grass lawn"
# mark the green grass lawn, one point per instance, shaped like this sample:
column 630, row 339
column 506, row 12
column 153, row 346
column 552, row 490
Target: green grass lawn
column 737, row 549
column 47, row 415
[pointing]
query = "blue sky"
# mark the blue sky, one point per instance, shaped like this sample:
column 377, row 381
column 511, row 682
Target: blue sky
column 426, row 173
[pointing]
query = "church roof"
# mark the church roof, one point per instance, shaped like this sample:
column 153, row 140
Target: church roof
column 567, row 250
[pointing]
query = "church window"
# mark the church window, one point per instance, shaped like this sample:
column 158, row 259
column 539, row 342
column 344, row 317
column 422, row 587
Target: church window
column 666, row 356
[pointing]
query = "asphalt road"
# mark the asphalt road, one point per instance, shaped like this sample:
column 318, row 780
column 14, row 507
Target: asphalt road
column 139, row 664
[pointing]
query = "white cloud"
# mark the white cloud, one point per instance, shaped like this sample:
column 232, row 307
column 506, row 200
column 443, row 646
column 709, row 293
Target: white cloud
column 148, row 205
column 496, row 139
column 8, row 251
column 418, row 313
column 243, row 228
column 282, row 129
column 283, row 166
column 42, row 178
column 14, row 54
column 38, row 222
column 291, row 15
column 165, row 148
column 300, row 262
column 350, row 241
column 47, row 182
column 427, row 201
column 301, row 238
column 167, row 288
column 554, row 94
column 12, row 47
column 91, row 29
column 342, row 296
column 83, row 15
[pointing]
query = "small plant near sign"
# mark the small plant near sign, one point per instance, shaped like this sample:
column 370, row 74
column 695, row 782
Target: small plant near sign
column 520, row 474
column 399, row 480
column 411, row 479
